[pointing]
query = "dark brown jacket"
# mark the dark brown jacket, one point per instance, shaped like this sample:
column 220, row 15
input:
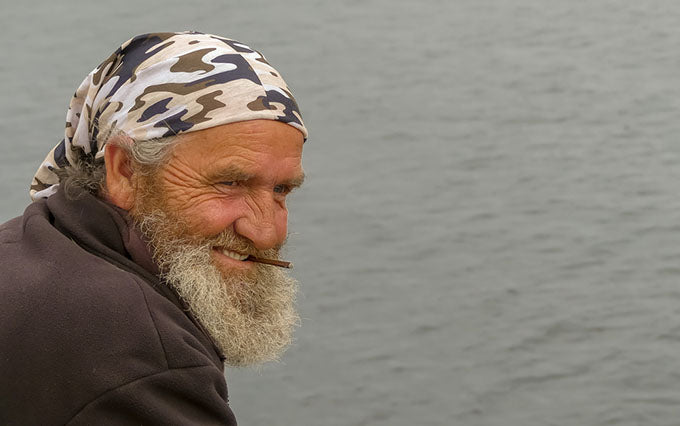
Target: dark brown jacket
column 90, row 337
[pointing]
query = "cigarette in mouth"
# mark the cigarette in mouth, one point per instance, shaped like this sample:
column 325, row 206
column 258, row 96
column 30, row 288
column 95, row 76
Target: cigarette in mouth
column 279, row 263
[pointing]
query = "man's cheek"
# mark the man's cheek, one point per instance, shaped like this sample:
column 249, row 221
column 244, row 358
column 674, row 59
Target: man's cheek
column 210, row 217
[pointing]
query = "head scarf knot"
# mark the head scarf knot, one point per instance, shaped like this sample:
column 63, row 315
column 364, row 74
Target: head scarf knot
column 162, row 84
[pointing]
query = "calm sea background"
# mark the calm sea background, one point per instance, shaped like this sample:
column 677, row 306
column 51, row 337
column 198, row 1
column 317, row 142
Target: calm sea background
column 490, row 231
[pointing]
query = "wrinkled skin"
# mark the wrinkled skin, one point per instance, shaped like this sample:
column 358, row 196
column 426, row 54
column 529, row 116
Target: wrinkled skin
column 235, row 176
column 221, row 194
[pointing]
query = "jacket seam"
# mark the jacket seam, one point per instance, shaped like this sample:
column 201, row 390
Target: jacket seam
column 153, row 320
column 140, row 282
column 18, row 238
column 108, row 391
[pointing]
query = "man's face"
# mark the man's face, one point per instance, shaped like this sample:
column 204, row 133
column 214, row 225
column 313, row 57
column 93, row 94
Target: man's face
column 222, row 196
column 235, row 176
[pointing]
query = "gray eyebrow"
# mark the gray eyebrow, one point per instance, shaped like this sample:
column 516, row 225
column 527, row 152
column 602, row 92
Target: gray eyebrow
column 236, row 173
column 297, row 181
column 231, row 172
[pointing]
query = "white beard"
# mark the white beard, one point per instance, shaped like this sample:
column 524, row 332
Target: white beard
column 250, row 316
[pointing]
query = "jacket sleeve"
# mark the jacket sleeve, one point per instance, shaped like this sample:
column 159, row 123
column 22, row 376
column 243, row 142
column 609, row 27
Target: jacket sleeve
column 183, row 396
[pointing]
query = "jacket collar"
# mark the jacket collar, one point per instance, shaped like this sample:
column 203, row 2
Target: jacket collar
column 108, row 232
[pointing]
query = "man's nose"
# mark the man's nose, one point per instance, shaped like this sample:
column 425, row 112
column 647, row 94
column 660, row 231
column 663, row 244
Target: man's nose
column 266, row 226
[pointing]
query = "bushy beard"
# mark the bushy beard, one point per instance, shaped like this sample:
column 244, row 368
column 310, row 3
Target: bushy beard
column 249, row 314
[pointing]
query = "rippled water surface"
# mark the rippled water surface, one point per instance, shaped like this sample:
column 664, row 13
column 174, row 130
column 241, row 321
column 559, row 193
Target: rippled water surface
column 490, row 231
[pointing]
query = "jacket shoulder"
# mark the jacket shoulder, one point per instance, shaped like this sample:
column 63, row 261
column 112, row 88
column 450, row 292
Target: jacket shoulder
column 186, row 396
column 75, row 326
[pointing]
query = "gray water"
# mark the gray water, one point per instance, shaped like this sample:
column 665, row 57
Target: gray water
column 490, row 231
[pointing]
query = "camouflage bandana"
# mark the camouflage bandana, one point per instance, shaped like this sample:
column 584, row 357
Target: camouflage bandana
column 162, row 84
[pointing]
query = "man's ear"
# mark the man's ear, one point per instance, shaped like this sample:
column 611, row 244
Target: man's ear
column 120, row 187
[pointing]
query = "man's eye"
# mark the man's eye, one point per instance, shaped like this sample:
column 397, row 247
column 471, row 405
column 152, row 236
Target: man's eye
column 282, row 189
column 226, row 185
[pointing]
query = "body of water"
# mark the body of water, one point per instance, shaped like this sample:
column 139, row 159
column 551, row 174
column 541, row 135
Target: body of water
column 490, row 230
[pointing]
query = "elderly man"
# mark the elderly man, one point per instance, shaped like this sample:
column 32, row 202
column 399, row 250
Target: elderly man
column 137, row 272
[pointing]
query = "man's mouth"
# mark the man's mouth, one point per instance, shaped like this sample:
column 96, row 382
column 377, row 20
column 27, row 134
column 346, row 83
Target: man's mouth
column 232, row 254
column 246, row 257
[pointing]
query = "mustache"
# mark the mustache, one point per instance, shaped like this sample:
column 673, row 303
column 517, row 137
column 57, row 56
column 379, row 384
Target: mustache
column 230, row 240
column 234, row 242
column 227, row 239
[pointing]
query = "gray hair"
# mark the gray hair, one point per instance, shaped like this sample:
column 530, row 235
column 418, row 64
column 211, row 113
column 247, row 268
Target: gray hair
column 88, row 175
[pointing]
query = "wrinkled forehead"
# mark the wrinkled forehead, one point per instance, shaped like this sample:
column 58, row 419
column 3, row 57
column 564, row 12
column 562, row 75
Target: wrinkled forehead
column 258, row 151
column 247, row 142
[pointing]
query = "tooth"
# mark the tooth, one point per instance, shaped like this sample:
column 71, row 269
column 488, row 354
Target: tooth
column 234, row 255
